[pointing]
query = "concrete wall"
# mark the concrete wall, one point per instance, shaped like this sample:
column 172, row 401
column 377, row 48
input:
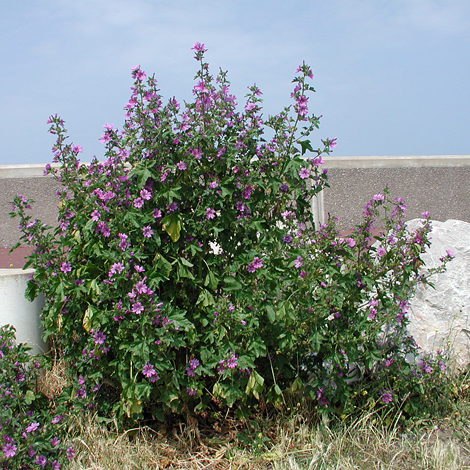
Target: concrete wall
column 438, row 184
column 29, row 181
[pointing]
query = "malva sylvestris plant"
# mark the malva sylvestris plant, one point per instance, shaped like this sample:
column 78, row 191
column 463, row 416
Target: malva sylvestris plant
column 33, row 430
column 186, row 272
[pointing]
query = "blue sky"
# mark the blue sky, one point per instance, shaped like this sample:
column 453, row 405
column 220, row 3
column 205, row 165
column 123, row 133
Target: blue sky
column 392, row 77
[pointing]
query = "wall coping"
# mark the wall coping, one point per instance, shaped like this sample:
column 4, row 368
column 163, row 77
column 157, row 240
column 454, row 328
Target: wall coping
column 37, row 169
column 27, row 170
column 398, row 161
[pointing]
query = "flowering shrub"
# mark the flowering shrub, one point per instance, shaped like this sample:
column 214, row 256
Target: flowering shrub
column 32, row 430
column 186, row 271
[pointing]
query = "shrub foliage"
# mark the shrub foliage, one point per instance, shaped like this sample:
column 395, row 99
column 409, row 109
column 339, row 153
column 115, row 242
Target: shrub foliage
column 186, row 271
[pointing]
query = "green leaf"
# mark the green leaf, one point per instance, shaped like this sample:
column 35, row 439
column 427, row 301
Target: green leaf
column 142, row 175
column 218, row 390
column 205, row 298
column 254, row 385
column 171, row 224
column 162, row 264
column 87, row 319
column 186, row 262
column 296, row 385
column 31, row 291
column 232, row 284
column 183, row 272
column 305, row 144
column 271, row 313
column 29, row 397
column 211, row 281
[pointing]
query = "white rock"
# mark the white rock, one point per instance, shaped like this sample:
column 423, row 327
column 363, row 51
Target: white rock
column 440, row 317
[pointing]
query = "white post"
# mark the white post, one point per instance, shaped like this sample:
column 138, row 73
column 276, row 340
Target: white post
column 17, row 311
column 318, row 210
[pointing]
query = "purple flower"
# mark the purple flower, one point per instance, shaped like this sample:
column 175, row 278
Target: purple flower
column 132, row 294
column 123, row 244
column 70, row 452
column 210, row 213
column 378, row 197
column 322, row 401
column 213, row 184
column 115, row 268
column 246, row 193
column 56, row 419
column 191, row 391
column 450, row 253
column 386, row 397
column 149, row 372
column 298, row 262
column 232, row 362
column 55, row 441
column 304, row 173
column 65, row 267
column 137, row 308
column 103, row 228
column 287, row 238
column 197, row 153
column 20, row 377
column 41, row 460
column 9, row 450
column 141, row 287
column 256, row 264
column 32, row 427
column 181, row 165
column 147, row 231
column 99, row 337
column 164, row 175
column 146, row 194
column 302, row 108
column 381, row 251
column 198, row 47
column 95, row 216
column 138, row 202
column 138, row 73
column 172, row 207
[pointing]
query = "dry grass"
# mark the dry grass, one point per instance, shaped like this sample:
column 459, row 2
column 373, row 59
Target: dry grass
column 288, row 445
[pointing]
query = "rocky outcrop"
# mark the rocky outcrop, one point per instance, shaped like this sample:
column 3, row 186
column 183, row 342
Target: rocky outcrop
column 440, row 317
